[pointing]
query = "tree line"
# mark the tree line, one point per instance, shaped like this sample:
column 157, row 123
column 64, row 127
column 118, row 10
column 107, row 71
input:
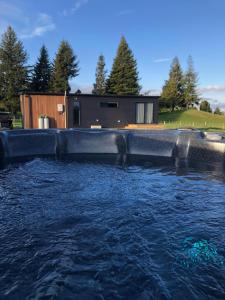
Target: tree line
column 46, row 76
column 179, row 91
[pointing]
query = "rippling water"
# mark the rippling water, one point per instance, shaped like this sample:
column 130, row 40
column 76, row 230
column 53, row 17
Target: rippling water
column 85, row 231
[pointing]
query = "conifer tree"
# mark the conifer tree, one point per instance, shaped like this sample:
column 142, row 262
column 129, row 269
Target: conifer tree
column 173, row 90
column 123, row 79
column 13, row 73
column 65, row 67
column 218, row 111
column 191, row 96
column 42, row 72
column 205, row 106
column 100, row 83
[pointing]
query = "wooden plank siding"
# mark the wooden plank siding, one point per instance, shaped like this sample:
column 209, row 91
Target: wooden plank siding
column 33, row 106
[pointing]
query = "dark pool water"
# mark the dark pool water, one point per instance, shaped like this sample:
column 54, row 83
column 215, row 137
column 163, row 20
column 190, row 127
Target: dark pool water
column 86, row 231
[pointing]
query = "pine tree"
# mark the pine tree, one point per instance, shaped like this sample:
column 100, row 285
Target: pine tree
column 173, row 90
column 205, row 106
column 123, row 79
column 191, row 96
column 100, row 83
column 78, row 92
column 42, row 72
column 218, row 111
column 65, row 68
column 13, row 73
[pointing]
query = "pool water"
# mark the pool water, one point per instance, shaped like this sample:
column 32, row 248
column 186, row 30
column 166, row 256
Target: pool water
column 91, row 231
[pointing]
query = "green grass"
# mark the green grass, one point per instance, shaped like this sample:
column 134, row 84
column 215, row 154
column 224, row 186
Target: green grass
column 17, row 123
column 193, row 119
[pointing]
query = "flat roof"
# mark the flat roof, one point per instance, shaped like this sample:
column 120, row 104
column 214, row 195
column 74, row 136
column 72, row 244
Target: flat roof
column 87, row 95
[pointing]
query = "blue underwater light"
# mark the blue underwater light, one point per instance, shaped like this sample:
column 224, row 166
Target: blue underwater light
column 199, row 252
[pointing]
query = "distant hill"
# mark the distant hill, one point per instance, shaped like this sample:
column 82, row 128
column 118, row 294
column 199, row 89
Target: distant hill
column 192, row 118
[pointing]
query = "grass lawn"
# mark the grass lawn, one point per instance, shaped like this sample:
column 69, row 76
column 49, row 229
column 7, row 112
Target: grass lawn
column 193, row 119
column 17, row 124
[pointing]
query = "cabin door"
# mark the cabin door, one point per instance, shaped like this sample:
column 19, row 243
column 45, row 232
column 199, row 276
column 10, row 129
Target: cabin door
column 76, row 114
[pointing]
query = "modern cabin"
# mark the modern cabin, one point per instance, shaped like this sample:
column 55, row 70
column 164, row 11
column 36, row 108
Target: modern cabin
column 86, row 111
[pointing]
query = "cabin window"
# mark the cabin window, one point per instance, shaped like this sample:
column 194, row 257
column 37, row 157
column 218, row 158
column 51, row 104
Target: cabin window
column 109, row 104
column 144, row 113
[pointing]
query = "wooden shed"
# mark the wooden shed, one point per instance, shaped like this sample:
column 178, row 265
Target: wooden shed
column 85, row 111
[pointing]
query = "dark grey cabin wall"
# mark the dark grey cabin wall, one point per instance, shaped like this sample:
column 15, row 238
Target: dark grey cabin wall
column 90, row 110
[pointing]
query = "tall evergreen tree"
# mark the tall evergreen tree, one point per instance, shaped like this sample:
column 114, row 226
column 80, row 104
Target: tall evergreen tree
column 42, row 72
column 218, row 111
column 205, row 106
column 65, row 67
column 123, row 79
column 13, row 73
column 191, row 96
column 100, row 83
column 173, row 90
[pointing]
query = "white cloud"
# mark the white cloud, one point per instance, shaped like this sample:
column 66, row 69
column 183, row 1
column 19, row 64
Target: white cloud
column 43, row 24
column 10, row 14
column 28, row 26
column 125, row 12
column 161, row 60
column 85, row 89
column 212, row 88
column 9, row 11
column 77, row 5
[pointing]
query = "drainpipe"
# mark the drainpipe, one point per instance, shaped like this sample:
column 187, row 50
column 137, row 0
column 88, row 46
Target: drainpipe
column 22, row 109
column 65, row 105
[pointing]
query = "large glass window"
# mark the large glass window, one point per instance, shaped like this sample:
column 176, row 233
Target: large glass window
column 144, row 113
column 140, row 113
column 148, row 113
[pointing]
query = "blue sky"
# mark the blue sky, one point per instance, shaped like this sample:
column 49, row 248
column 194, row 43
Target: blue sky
column 155, row 30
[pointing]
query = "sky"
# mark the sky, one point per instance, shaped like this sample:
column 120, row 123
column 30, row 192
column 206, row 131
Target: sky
column 156, row 31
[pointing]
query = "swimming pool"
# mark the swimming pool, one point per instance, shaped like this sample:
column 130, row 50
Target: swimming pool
column 73, row 230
